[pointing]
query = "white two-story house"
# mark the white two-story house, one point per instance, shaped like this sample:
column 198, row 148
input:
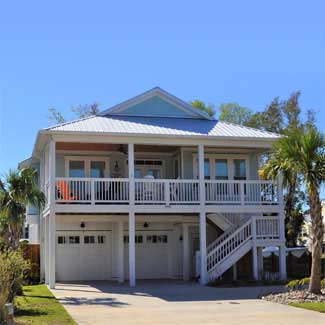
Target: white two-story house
column 153, row 188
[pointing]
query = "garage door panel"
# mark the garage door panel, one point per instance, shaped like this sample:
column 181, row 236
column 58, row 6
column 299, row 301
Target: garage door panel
column 86, row 258
column 151, row 255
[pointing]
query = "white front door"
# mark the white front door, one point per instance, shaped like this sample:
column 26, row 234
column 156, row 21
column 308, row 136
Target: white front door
column 152, row 254
column 83, row 255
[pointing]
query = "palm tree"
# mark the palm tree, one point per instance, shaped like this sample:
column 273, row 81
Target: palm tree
column 304, row 154
column 17, row 190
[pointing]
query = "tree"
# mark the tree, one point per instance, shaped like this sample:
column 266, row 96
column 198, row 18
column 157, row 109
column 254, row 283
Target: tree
column 234, row 113
column 81, row 111
column 303, row 153
column 207, row 108
column 17, row 190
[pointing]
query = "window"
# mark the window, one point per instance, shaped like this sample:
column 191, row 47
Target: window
column 153, row 239
column 101, row 239
column 97, row 169
column 138, row 239
column 207, row 169
column 221, row 169
column 77, row 168
column 126, row 239
column 61, row 240
column 74, row 239
column 239, row 169
column 89, row 239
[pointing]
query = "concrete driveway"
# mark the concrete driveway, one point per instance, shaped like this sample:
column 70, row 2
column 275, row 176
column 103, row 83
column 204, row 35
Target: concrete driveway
column 173, row 302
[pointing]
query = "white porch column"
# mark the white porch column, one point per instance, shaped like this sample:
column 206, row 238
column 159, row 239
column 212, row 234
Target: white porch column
column 52, row 216
column 255, row 263
column 203, row 240
column 132, row 275
column 46, row 249
column 186, row 253
column 120, row 249
column 282, row 262
column 132, row 249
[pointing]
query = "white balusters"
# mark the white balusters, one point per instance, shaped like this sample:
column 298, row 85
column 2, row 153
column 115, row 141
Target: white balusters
column 267, row 228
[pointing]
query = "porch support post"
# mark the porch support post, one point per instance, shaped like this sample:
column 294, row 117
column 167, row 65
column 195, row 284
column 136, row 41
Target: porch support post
column 120, row 248
column 255, row 263
column 282, row 262
column 132, row 249
column 203, row 240
column 260, row 262
column 132, row 275
column 186, row 253
column 46, row 248
column 52, row 221
column 41, row 231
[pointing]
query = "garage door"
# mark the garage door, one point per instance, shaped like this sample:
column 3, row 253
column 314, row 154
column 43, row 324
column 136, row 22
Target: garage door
column 152, row 255
column 83, row 255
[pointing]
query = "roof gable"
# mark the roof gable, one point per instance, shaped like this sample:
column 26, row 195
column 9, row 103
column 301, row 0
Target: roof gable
column 156, row 103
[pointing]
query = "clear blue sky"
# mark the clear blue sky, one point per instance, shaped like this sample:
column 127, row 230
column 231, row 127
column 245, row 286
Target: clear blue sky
column 67, row 53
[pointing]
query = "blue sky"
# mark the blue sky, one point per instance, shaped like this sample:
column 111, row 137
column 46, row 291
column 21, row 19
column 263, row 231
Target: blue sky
column 63, row 53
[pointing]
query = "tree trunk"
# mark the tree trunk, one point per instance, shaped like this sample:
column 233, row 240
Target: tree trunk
column 317, row 240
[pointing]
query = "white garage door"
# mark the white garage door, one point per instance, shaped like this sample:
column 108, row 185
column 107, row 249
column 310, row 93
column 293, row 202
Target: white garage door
column 152, row 255
column 83, row 255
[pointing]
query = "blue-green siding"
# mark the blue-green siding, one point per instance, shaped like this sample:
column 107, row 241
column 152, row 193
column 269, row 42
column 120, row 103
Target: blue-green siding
column 155, row 106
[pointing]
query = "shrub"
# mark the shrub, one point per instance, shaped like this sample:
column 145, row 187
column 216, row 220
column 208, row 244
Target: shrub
column 293, row 285
column 13, row 270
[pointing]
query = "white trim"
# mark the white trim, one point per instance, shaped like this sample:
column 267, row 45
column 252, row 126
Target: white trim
column 118, row 109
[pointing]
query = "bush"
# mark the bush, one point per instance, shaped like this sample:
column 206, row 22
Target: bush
column 302, row 284
column 13, row 270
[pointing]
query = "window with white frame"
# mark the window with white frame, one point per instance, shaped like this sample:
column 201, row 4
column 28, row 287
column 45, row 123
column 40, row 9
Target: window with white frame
column 86, row 166
column 223, row 167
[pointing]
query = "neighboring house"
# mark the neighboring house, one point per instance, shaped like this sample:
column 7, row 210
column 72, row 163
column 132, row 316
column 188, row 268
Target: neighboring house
column 136, row 191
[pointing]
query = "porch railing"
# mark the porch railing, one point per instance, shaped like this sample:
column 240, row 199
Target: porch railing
column 165, row 191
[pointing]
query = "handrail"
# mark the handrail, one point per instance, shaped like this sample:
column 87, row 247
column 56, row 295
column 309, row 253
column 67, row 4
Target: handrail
column 229, row 245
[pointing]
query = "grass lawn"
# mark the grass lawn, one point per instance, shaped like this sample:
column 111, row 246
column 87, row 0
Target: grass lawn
column 316, row 306
column 39, row 306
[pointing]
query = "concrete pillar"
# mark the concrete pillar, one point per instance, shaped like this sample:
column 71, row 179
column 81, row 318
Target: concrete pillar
column 186, row 253
column 120, row 251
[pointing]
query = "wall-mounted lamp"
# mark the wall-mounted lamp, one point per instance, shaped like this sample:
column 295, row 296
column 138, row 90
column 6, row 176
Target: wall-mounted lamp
column 181, row 238
column 82, row 225
column 146, row 225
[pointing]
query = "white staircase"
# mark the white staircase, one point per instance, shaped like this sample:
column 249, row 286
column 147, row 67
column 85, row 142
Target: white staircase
column 229, row 251
column 237, row 241
column 220, row 220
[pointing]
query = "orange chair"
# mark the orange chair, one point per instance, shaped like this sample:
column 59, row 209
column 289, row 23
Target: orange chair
column 64, row 191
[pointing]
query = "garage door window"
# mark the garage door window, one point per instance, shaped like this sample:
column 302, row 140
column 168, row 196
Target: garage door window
column 74, row 239
column 157, row 239
column 61, row 240
column 89, row 239
column 101, row 239
column 138, row 239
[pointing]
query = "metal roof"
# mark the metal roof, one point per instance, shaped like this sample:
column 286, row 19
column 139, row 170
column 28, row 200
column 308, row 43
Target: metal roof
column 135, row 125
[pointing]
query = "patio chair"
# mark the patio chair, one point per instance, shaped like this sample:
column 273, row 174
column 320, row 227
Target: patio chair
column 64, row 191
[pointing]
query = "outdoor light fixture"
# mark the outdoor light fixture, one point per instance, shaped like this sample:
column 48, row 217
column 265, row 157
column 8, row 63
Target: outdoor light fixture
column 82, row 225
column 145, row 225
